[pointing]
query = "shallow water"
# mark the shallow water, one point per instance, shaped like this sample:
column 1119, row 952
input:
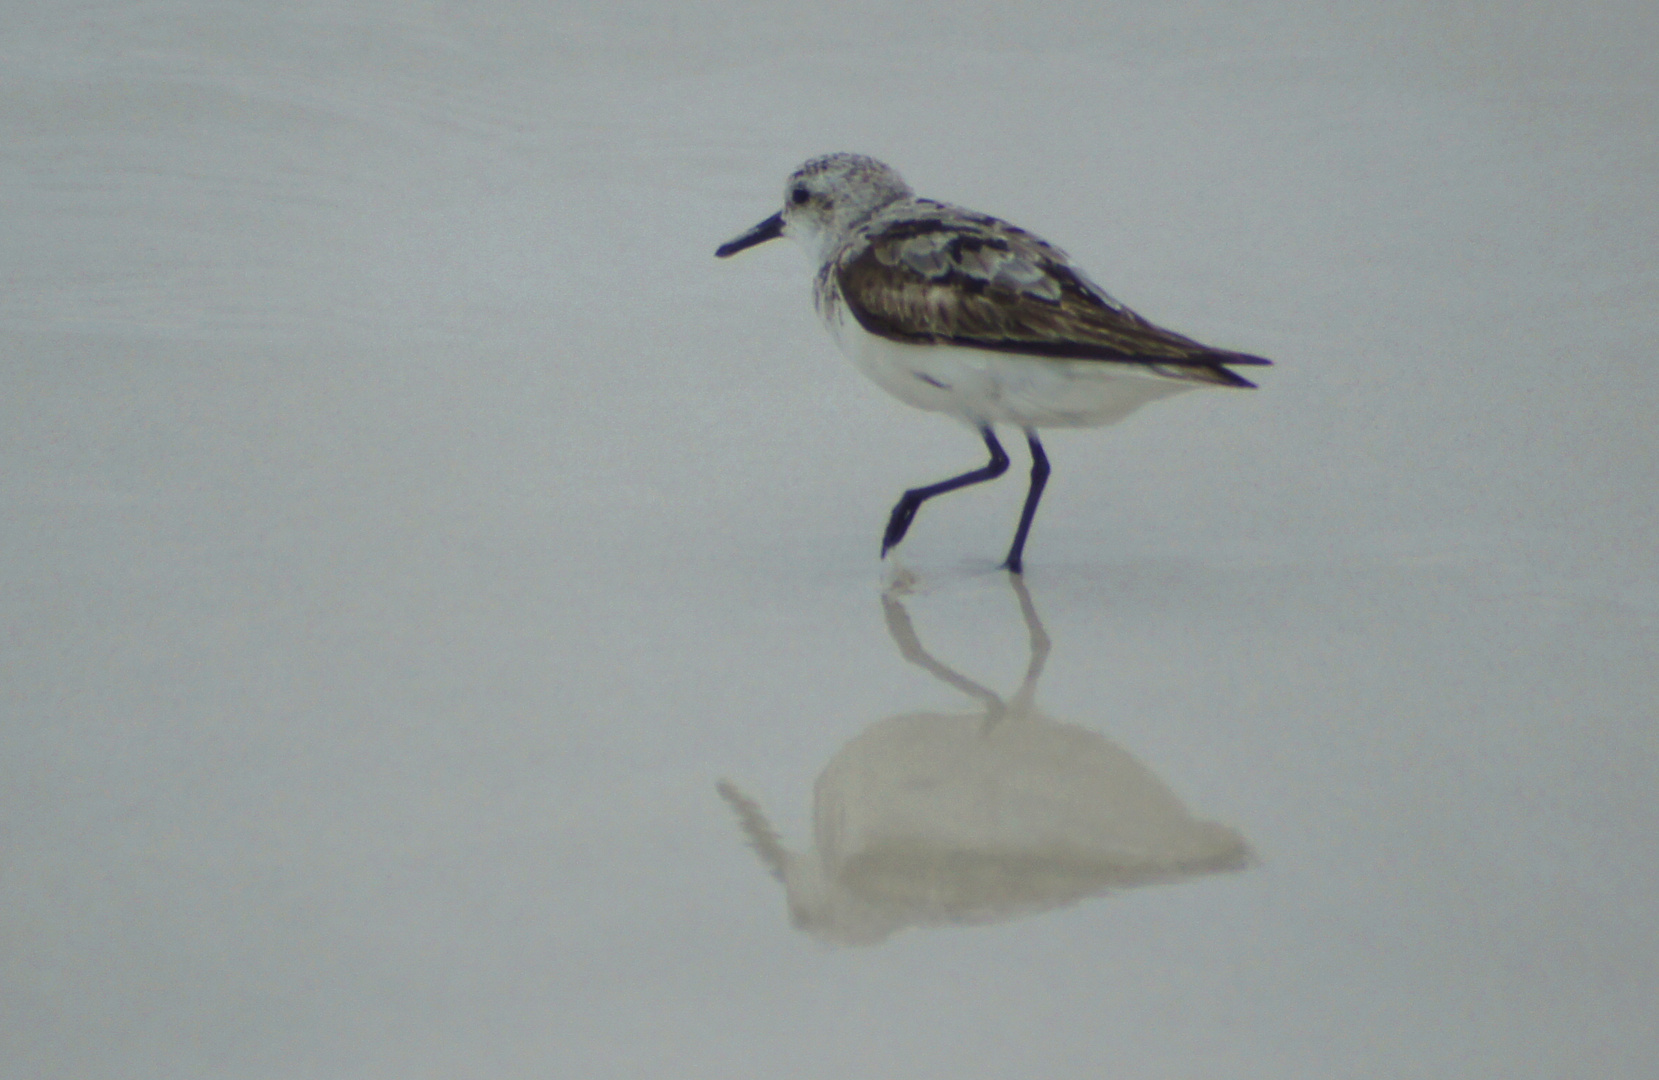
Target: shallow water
column 412, row 532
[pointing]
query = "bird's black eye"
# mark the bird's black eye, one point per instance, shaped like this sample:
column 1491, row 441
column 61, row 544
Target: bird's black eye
column 799, row 196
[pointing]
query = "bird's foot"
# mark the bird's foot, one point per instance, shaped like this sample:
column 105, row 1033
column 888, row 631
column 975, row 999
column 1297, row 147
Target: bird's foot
column 899, row 523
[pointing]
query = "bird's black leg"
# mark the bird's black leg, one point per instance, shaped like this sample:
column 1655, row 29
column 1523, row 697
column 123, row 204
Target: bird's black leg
column 1039, row 477
column 905, row 512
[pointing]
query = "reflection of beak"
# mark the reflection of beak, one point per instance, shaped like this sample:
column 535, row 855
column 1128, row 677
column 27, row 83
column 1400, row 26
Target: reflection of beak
column 770, row 229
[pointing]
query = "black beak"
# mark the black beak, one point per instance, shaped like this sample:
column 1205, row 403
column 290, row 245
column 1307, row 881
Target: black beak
column 770, row 229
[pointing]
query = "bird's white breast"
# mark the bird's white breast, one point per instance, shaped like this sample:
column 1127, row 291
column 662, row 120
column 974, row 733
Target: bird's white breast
column 982, row 386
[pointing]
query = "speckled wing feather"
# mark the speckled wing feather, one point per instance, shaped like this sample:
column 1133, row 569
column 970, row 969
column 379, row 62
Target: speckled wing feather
column 968, row 279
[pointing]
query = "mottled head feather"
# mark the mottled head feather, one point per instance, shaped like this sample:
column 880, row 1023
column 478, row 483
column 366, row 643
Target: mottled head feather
column 829, row 196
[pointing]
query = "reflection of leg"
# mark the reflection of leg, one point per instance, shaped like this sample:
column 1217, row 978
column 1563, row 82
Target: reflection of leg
column 1038, row 638
column 911, row 501
column 1039, row 477
column 910, row 647
column 756, row 828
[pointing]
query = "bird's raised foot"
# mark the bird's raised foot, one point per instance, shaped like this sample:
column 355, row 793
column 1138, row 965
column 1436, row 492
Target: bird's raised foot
column 899, row 523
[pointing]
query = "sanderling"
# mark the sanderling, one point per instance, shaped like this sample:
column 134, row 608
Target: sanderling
column 960, row 313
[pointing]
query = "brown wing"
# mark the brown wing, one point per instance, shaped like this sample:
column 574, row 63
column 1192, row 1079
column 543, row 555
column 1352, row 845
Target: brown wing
column 978, row 282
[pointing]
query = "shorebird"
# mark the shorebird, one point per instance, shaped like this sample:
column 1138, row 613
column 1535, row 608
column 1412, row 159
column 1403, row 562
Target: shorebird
column 962, row 313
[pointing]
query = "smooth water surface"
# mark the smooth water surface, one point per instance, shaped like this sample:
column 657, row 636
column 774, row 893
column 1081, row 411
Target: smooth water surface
column 442, row 627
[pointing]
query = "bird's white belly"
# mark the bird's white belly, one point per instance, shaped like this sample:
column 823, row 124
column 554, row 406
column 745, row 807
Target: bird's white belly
column 982, row 387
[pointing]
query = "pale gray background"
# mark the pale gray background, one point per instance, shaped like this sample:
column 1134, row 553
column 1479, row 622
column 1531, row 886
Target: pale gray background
column 407, row 521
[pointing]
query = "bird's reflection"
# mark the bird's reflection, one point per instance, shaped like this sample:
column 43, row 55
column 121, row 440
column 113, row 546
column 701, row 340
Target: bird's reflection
column 933, row 819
